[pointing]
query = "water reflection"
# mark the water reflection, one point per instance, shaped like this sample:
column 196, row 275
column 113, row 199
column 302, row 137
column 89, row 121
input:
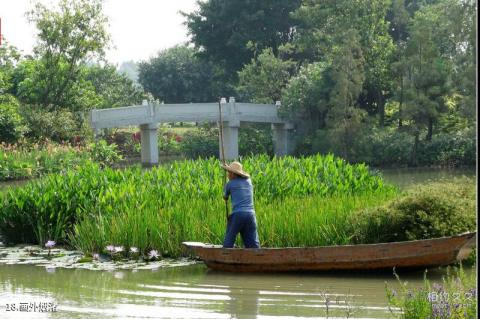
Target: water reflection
column 195, row 292
column 317, row 295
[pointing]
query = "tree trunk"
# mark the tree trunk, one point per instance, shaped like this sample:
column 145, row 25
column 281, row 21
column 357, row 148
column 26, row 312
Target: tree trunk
column 413, row 158
column 430, row 130
column 381, row 108
column 400, row 115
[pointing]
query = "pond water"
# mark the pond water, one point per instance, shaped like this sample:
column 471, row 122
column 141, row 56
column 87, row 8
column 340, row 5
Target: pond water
column 195, row 292
column 405, row 177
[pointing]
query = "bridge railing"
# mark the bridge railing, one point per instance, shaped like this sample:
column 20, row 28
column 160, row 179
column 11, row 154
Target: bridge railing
column 147, row 116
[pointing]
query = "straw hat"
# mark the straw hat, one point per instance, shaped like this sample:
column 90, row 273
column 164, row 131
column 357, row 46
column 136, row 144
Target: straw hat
column 236, row 168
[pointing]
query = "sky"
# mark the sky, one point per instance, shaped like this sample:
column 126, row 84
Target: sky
column 139, row 28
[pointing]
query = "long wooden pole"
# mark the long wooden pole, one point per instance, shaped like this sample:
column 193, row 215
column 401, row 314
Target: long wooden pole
column 222, row 151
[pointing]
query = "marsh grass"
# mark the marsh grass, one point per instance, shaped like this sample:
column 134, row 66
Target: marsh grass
column 291, row 222
column 299, row 202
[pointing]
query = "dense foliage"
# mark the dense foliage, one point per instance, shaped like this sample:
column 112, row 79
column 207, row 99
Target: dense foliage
column 49, row 93
column 12, row 125
column 400, row 74
column 204, row 143
column 176, row 75
column 229, row 33
column 426, row 211
column 299, row 202
column 402, row 69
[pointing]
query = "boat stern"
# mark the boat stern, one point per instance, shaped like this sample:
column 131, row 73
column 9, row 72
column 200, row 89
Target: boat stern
column 468, row 246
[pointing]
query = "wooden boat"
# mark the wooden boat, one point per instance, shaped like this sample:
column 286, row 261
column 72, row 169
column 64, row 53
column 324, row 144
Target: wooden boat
column 407, row 254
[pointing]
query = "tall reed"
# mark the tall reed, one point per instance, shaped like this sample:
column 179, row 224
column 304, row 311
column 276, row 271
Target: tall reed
column 299, row 201
column 290, row 222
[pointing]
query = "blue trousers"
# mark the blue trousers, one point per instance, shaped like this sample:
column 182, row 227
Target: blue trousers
column 246, row 225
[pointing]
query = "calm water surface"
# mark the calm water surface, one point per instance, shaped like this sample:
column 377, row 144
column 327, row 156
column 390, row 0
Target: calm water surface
column 196, row 292
column 405, row 177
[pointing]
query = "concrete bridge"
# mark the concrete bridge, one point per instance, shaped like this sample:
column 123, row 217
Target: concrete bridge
column 148, row 116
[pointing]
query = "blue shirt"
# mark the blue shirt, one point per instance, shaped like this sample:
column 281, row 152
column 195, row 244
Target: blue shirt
column 241, row 190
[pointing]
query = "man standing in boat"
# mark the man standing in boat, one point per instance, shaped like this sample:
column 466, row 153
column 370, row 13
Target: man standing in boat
column 242, row 219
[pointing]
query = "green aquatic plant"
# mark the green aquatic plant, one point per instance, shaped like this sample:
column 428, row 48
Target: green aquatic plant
column 309, row 221
column 300, row 201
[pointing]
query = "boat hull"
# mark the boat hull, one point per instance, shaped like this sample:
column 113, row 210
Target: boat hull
column 408, row 254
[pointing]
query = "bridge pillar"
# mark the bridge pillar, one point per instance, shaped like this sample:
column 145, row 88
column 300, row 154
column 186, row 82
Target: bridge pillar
column 149, row 140
column 282, row 139
column 230, row 140
column 230, row 130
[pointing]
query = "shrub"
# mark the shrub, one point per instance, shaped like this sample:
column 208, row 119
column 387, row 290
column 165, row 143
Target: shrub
column 428, row 211
column 169, row 143
column 12, row 125
column 59, row 126
column 377, row 147
column 449, row 149
column 255, row 138
column 202, row 143
column 392, row 147
column 103, row 153
column 128, row 143
column 25, row 160
column 385, row 147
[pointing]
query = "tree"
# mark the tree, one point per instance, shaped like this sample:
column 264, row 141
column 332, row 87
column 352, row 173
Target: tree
column 399, row 15
column 30, row 90
column 176, row 75
column 323, row 23
column 306, row 96
column 344, row 117
column 113, row 88
column 264, row 78
column 324, row 96
column 9, row 57
column 459, row 18
column 430, row 68
column 12, row 125
column 68, row 38
column 221, row 29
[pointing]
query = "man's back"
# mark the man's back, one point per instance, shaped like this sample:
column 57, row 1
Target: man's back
column 241, row 190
